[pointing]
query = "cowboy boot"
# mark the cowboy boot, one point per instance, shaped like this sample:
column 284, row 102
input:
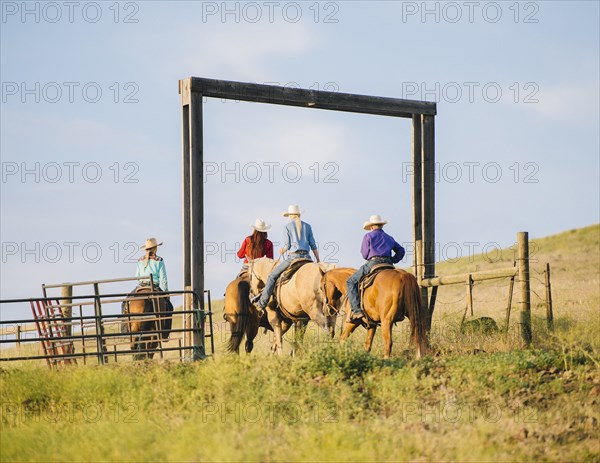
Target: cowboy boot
column 356, row 316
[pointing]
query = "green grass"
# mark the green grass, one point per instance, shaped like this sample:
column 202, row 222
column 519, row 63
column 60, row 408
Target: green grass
column 482, row 397
column 333, row 403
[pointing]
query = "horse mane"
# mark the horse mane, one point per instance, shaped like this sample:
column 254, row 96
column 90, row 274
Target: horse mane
column 326, row 266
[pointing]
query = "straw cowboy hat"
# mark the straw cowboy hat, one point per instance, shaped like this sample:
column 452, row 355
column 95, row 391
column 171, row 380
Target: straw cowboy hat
column 374, row 220
column 294, row 209
column 150, row 243
column 261, row 226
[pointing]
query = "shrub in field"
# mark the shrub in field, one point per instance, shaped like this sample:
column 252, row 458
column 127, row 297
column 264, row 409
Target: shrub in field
column 344, row 362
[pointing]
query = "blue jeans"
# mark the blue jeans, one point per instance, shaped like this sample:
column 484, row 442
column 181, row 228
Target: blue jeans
column 352, row 282
column 275, row 274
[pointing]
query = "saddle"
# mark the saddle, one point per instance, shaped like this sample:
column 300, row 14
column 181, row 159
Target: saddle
column 369, row 278
column 367, row 281
column 284, row 278
column 290, row 271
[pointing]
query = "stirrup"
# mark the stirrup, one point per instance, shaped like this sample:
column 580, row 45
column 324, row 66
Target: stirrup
column 356, row 317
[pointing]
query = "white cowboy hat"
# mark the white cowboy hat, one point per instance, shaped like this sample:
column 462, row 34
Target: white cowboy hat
column 261, row 226
column 374, row 220
column 293, row 209
column 150, row 243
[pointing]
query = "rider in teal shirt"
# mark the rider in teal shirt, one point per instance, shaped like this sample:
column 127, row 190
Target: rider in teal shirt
column 151, row 264
column 155, row 266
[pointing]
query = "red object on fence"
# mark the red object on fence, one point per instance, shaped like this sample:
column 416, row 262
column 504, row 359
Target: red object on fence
column 52, row 327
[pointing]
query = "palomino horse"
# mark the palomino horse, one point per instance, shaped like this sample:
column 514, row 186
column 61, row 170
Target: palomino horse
column 145, row 333
column 393, row 296
column 242, row 316
column 301, row 298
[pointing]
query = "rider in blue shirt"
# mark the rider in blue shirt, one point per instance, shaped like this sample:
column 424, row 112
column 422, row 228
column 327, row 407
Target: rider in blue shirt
column 299, row 241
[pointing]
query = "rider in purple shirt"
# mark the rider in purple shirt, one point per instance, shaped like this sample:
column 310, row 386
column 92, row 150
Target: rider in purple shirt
column 377, row 247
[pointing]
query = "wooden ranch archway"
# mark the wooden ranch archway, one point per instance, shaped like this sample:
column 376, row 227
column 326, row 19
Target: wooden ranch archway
column 422, row 113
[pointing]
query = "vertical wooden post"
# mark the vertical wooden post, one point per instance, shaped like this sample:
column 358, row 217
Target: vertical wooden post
column 66, row 293
column 185, row 90
column 417, row 197
column 511, row 286
column 197, row 219
column 417, row 158
column 525, row 303
column 470, row 293
column 549, row 314
column 428, row 192
column 185, row 141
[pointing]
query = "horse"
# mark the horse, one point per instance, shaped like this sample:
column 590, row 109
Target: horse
column 394, row 295
column 333, row 285
column 241, row 315
column 299, row 299
column 139, row 328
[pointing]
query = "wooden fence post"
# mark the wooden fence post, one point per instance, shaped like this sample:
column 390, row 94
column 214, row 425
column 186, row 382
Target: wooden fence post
column 66, row 295
column 549, row 314
column 196, row 216
column 525, row 303
column 470, row 293
column 511, row 287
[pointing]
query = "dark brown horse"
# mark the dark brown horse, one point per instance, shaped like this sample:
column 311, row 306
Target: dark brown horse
column 241, row 314
column 146, row 332
column 393, row 296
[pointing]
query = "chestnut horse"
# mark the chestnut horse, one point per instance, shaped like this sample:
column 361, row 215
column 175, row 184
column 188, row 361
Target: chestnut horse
column 145, row 332
column 333, row 285
column 300, row 299
column 394, row 295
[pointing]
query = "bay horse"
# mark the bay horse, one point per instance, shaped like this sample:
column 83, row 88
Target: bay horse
column 394, row 295
column 300, row 299
column 145, row 333
column 241, row 315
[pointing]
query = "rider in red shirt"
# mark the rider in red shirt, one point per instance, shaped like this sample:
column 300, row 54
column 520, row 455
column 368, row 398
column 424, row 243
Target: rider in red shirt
column 256, row 245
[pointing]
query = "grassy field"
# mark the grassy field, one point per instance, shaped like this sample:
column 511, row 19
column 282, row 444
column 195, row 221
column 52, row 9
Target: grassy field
column 482, row 397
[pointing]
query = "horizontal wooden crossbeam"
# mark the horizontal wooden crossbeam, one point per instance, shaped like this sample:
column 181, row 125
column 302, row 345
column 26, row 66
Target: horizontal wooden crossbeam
column 307, row 98
column 475, row 276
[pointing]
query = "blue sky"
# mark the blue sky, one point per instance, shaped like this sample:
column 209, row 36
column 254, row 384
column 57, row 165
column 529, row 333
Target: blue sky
column 517, row 138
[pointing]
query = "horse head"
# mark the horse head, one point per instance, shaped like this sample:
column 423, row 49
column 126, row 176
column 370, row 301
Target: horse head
column 258, row 271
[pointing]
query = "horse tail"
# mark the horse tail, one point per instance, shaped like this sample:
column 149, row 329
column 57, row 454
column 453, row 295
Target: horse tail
column 416, row 315
column 237, row 306
column 166, row 305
